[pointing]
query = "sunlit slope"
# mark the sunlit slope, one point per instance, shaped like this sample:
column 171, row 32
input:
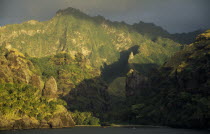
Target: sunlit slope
column 73, row 31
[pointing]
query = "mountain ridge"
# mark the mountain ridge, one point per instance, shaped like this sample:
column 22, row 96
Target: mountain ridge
column 86, row 58
column 177, row 94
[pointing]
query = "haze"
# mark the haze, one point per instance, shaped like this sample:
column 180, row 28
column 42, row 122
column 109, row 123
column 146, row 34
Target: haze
column 172, row 15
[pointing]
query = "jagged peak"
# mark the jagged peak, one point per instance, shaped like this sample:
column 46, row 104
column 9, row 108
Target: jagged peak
column 79, row 14
column 71, row 11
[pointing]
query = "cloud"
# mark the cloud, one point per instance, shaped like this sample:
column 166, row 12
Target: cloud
column 174, row 15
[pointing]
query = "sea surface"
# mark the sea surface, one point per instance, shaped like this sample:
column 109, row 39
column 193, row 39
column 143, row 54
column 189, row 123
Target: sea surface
column 94, row 130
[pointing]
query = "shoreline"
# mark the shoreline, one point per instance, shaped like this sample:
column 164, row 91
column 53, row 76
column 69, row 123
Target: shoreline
column 123, row 126
column 99, row 126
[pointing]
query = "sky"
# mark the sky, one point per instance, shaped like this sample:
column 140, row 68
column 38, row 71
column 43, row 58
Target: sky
column 175, row 16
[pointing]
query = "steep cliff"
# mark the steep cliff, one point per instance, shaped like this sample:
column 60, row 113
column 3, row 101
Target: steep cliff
column 22, row 105
column 179, row 93
column 15, row 68
column 50, row 89
column 82, row 60
column 135, row 84
column 72, row 31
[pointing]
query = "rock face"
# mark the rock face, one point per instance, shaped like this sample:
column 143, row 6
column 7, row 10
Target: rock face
column 179, row 95
column 15, row 68
column 135, row 83
column 26, row 123
column 36, row 81
column 191, row 71
column 61, row 120
column 57, row 121
column 90, row 95
column 67, row 28
column 50, row 88
column 23, row 123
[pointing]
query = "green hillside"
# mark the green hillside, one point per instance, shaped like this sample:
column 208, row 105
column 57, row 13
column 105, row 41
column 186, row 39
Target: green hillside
column 178, row 93
column 26, row 101
column 86, row 58
column 72, row 31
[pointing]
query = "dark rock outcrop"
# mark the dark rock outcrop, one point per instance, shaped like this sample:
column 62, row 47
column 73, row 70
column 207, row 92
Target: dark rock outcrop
column 60, row 120
column 15, row 68
column 50, row 88
column 179, row 93
column 26, row 123
column 135, row 83
column 91, row 95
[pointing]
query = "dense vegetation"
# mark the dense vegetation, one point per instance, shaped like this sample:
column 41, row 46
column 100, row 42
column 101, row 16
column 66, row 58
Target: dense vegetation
column 85, row 118
column 23, row 104
column 72, row 31
column 68, row 70
column 19, row 100
column 179, row 91
column 78, row 83
column 152, row 31
column 79, row 63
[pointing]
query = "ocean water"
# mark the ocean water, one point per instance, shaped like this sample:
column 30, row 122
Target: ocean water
column 94, row 130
